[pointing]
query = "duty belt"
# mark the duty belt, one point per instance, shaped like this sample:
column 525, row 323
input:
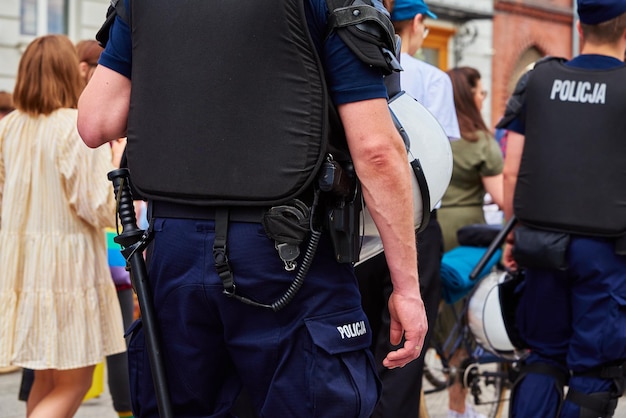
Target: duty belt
column 163, row 209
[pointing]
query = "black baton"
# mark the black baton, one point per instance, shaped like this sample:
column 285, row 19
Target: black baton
column 495, row 244
column 133, row 241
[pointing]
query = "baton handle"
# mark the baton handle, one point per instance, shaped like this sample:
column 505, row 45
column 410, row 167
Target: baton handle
column 129, row 239
column 125, row 209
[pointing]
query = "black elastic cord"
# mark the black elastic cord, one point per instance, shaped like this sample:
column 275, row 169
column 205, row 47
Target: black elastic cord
column 226, row 274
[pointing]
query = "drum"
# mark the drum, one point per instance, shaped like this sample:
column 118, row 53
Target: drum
column 487, row 320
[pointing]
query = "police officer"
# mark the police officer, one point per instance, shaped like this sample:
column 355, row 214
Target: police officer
column 227, row 122
column 564, row 181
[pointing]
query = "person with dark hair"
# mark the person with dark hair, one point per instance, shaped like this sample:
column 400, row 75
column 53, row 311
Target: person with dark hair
column 59, row 314
column 247, row 285
column 564, row 182
column 478, row 160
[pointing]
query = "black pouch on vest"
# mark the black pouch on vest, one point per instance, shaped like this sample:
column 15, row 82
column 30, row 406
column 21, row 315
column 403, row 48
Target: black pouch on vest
column 537, row 249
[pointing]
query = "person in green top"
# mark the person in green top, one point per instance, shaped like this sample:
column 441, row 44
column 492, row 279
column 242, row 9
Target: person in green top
column 477, row 170
column 478, row 160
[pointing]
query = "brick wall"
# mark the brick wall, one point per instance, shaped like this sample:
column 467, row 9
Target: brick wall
column 545, row 26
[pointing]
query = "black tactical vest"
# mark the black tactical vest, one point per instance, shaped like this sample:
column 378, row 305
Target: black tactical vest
column 205, row 129
column 572, row 176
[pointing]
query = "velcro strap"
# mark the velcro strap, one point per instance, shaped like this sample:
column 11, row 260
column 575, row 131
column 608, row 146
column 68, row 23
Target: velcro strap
column 605, row 372
column 561, row 376
column 601, row 403
column 368, row 32
column 116, row 8
column 162, row 209
column 356, row 15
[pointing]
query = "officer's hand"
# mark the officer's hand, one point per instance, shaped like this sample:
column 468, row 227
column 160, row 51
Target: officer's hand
column 507, row 258
column 408, row 317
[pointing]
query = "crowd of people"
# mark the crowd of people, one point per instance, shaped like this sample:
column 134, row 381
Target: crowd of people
column 259, row 309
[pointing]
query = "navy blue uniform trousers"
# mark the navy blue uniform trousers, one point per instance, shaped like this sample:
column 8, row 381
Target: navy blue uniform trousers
column 311, row 359
column 574, row 320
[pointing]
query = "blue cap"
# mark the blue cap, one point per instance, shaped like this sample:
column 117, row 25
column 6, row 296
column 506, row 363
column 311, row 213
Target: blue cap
column 593, row 12
column 408, row 9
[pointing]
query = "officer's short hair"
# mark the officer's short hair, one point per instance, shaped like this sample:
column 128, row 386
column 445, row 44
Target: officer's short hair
column 608, row 32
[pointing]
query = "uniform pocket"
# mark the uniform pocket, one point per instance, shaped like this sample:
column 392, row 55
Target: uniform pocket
column 342, row 372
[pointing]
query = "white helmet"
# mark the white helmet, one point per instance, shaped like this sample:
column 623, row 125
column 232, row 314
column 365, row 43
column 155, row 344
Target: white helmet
column 430, row 157
column 486, row 320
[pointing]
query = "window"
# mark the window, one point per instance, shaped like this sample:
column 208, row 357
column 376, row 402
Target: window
column 28, row 14
column 57, row 16
column 39, row 17
column 435, row 47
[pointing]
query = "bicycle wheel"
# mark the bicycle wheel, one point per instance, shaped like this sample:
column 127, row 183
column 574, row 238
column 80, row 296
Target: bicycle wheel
column 487, row 392
column 435, row 371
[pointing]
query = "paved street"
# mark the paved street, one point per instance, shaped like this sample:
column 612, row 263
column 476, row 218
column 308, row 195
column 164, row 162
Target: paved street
column 101, row 406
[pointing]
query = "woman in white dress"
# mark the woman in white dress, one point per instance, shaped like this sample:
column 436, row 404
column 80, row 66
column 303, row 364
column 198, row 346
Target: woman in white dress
column 59, row 313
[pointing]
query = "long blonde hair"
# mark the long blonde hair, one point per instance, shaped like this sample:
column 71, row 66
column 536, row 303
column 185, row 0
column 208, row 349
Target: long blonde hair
column 48, row 77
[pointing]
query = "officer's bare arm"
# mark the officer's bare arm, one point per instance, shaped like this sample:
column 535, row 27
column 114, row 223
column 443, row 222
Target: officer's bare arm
column 103, row 107
column 514, row 148
column 380, row 160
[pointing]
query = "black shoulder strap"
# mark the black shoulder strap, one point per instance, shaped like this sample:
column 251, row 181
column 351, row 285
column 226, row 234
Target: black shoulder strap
column 366, row 30
column 392, row 81
column 116, row 8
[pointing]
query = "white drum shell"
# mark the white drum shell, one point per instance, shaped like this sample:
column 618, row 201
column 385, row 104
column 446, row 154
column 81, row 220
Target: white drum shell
column 428, row 143
column 484, row 317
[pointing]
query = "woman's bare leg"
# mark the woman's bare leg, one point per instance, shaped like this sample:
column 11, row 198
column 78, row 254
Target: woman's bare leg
column 41, row 387
column 456, row 392
column 58, row 393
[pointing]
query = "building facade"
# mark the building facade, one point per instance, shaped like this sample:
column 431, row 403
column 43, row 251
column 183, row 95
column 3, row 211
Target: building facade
column 527, row 30
column 463, row 36
column 23, row 20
